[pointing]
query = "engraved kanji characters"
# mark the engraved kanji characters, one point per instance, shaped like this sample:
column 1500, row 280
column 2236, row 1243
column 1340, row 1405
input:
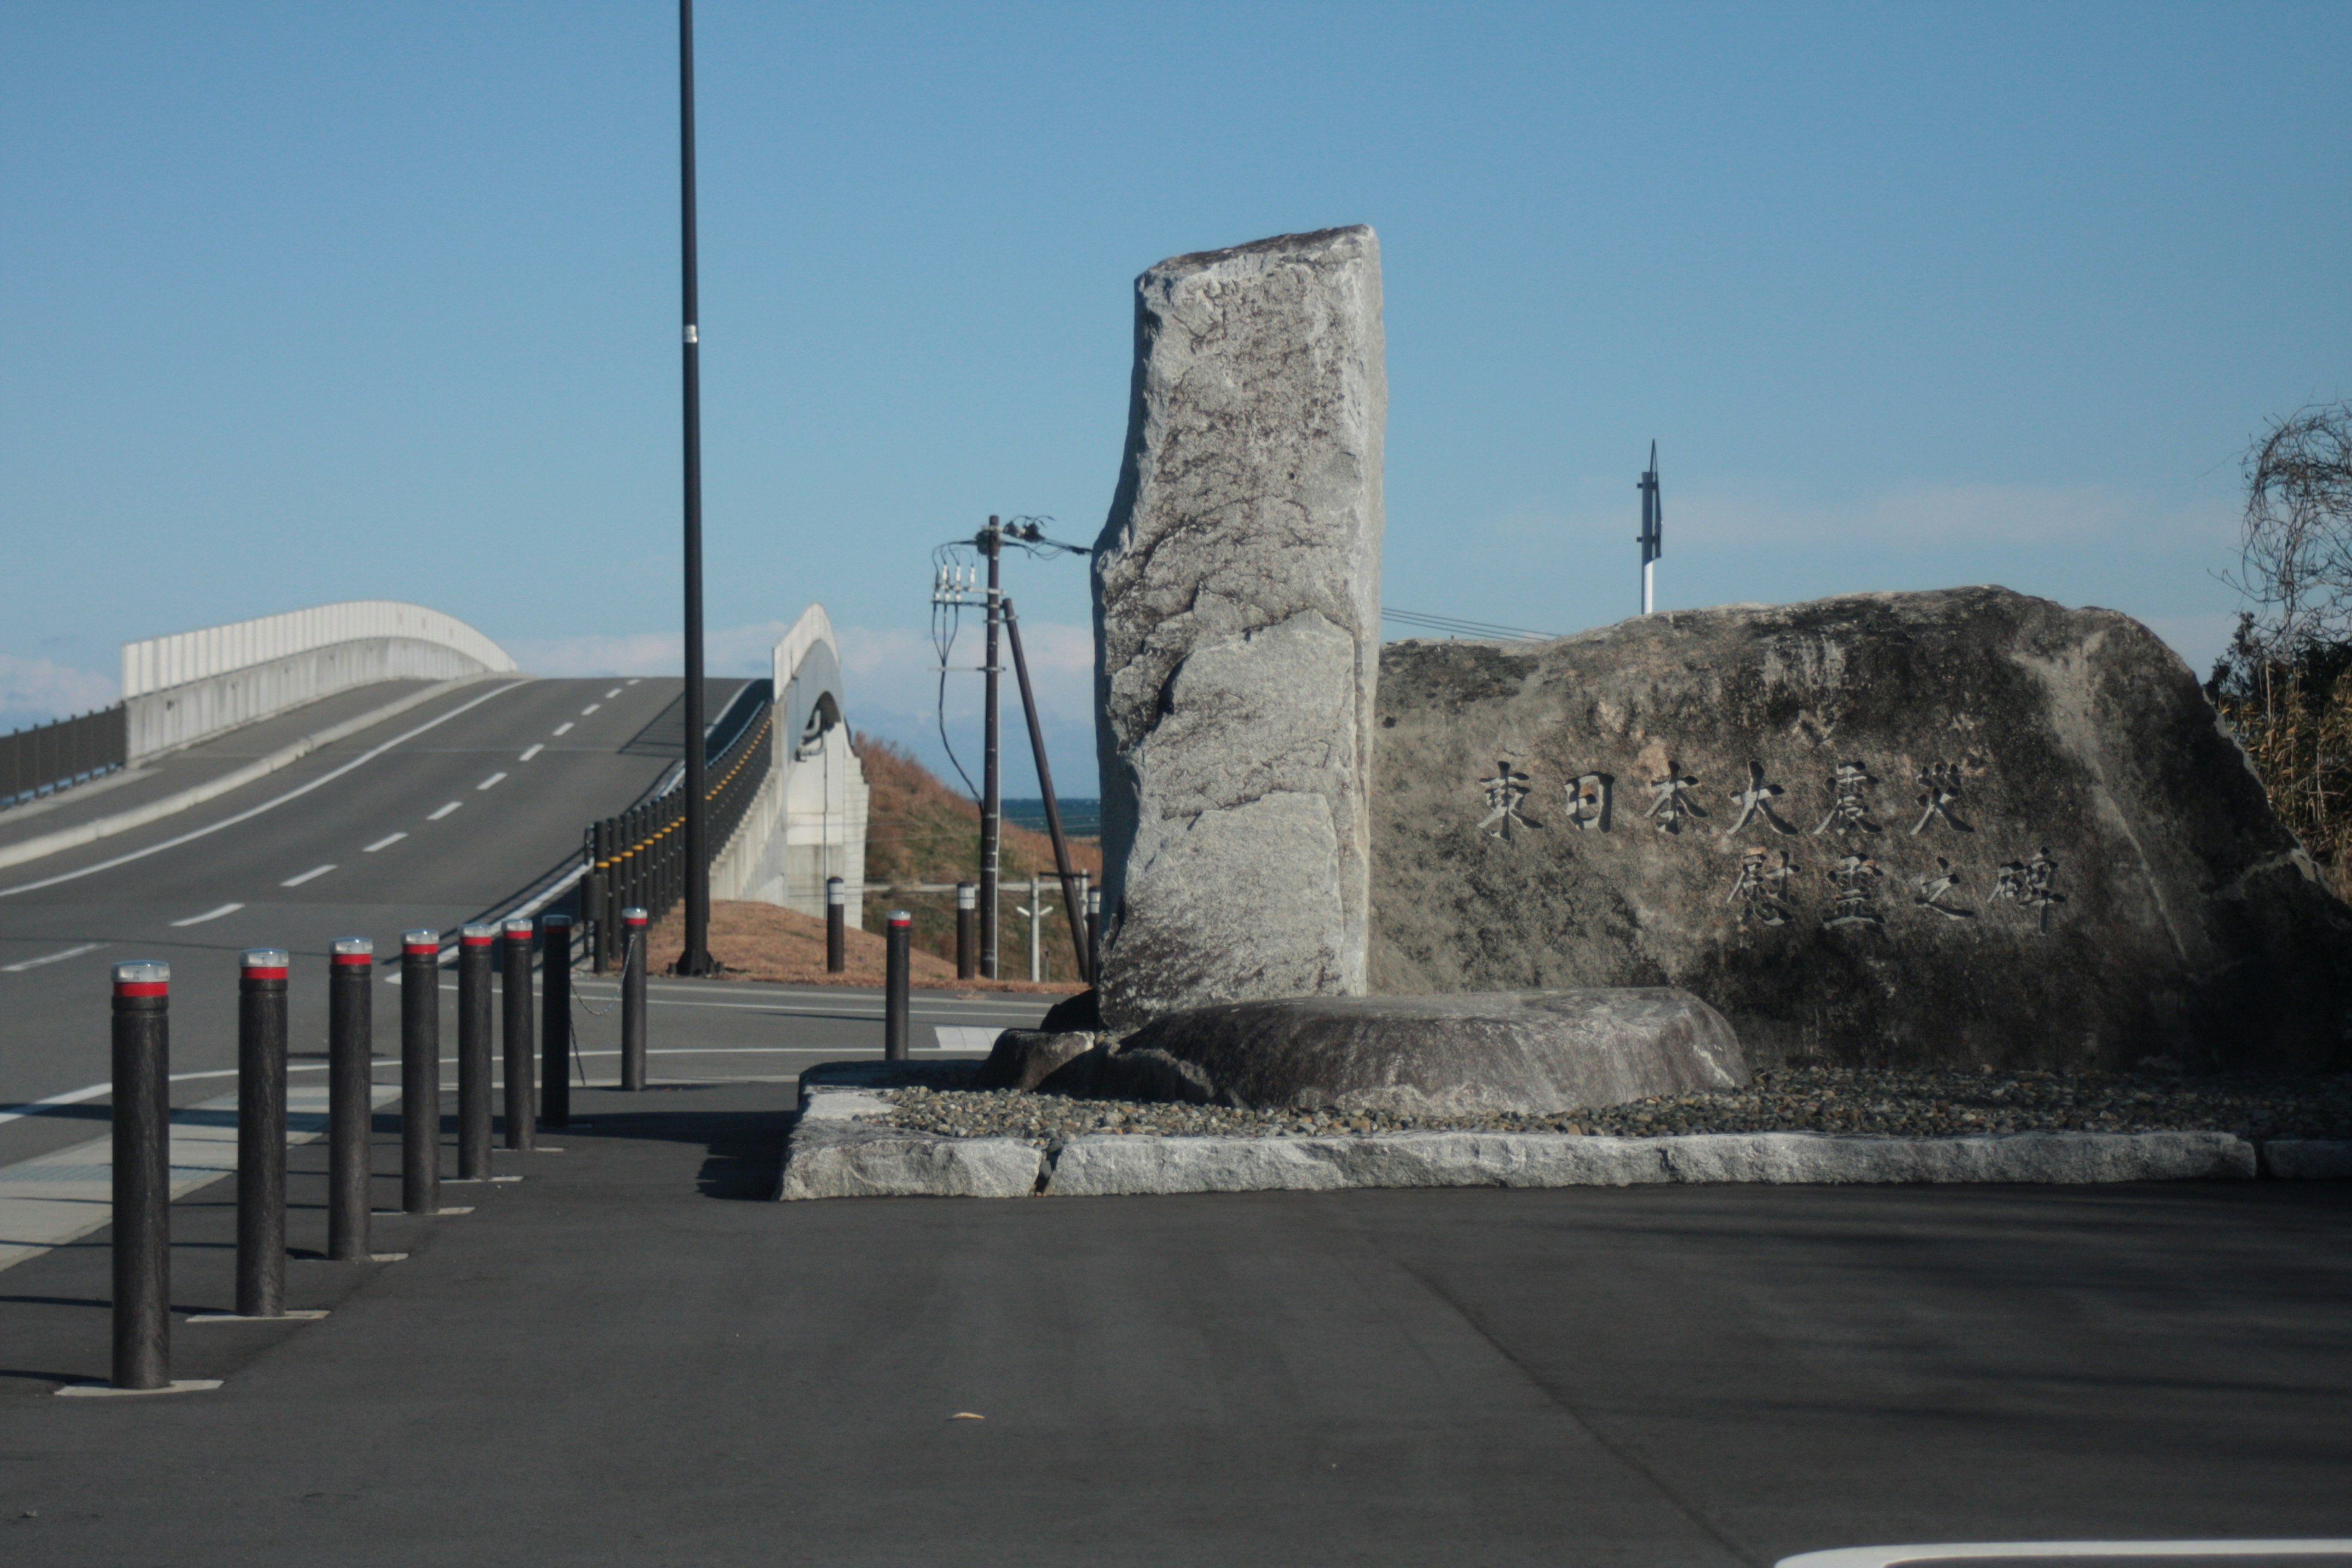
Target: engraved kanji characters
column 1588, row 802
column 1854, row 883
column 1941, row 785
column 1761, row 890
column 1670, row 799
column 2034, row 883
column 1756, row 803
column 1505, row 792
column 1934, row 888
column 1850, row 801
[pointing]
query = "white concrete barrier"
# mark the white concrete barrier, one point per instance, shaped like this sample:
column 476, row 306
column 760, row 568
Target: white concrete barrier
column 808, row 821
column 183, row 688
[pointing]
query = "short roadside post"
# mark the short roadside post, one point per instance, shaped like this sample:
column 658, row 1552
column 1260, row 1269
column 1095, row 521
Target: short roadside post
column 633, row 998
column 261, row 1132
column 420, row 1072
column 836, row 926
column 967, row 930
column 350, row 1039
column 474, row 944
column 895, row 984
column 555, row 1020
column 516, row 1005
column 1094, row 934
column 142, row 1174
column 1036, row 928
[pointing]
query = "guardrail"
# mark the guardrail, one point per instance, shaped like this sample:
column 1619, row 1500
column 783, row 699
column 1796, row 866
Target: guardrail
column 638, row 857
column 46, row 757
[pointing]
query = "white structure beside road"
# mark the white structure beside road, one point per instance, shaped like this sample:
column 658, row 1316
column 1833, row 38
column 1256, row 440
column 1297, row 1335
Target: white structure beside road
column 181, row 688
column 808, row 821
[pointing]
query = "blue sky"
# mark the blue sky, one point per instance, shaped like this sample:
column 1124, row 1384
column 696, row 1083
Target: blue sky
column 301, row 302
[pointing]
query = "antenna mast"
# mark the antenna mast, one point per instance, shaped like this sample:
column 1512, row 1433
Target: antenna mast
column 1653, row 534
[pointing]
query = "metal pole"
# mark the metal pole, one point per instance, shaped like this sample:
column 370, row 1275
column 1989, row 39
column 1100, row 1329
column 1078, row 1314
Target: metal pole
column 420, row 1072
column 894, row 987
column 350, row 1109
column 142, row 1174
column 555, row 1020
column 633, row 998
column 1070, row 902
column 474, row 943
column 967, row 934
column 992, row 798
column 1093, row 930
column 836, row 926
column 261, row 1132
column 696, row 958
column 1036, row 928
column 516, row 1002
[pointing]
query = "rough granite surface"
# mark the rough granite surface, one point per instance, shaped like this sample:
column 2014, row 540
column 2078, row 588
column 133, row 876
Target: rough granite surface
column 1905, row 830
column 1237, row 601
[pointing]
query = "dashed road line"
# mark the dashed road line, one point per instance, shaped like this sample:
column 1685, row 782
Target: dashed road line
column 208, row 915
column 559, row 729
column 312, row 875
column 610, row 695
column 445, row 811
column 50, row 957
column 487, row 783
column 386, row 842
column 590, row 708
column 536, row 747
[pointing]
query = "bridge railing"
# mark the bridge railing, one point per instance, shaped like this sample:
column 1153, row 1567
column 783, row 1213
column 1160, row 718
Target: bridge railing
column 48, row 757
column 638, row 857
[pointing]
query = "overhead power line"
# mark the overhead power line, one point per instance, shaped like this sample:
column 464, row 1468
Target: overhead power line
column 1454, row 625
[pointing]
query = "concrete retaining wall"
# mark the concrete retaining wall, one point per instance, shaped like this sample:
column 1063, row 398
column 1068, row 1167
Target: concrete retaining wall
column 808, row 821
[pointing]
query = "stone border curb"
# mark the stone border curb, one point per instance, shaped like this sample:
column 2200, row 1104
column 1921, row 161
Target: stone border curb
column 100, row 827
column 836, row 1152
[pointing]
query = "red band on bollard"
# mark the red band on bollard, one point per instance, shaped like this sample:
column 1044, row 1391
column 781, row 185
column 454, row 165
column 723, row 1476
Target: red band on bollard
column 902, row 920
column 143, row 988
column 356, row 960
column 419, row 947
column 262, row 972
column 636, row 921
column 479, row 940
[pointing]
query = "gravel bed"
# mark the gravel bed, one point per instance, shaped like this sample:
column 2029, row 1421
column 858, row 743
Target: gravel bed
column 1791, row 1100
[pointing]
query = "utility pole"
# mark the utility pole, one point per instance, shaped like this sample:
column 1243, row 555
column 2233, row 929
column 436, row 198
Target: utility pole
column 696, row 958
column 992, row 796
column 1652, row 535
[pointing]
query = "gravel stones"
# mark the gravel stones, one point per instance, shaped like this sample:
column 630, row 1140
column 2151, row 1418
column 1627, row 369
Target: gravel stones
column 1238, row 629
column 1534, row 1052
column 1907, row 829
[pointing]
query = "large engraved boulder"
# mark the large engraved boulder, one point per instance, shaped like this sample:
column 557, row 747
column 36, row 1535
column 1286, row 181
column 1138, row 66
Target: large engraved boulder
column 1460, row 1055
column 1237, row 627
column 1948, row 828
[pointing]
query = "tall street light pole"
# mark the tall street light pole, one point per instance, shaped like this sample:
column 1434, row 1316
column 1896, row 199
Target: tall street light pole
column 696, row 958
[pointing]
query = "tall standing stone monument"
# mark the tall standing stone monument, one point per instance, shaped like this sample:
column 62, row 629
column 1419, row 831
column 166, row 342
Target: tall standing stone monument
column 1238, row 629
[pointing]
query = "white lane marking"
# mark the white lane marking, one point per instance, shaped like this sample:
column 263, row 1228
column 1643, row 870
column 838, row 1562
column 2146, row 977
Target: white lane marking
column 610, row 695
column 590, row 708
column 208, row 915
column 535, row 748
column 312, row 875
column 487, row 783
column 445, row 811
column 559, row 729
column 632, row 682
column 384, row 843
column 1888, row 1556
column 253, row 811
column 51, row 958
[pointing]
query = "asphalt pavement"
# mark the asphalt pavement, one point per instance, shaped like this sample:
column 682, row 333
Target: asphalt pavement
column 630, row 1357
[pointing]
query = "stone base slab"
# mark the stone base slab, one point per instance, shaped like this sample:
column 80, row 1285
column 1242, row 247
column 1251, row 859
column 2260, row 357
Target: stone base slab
column 835, row 1152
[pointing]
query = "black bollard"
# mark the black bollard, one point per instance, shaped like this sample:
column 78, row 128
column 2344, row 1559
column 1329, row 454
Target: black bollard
column 894, row 993
column 1094, row 935
column 142, row 1174
column 633, row 998
column 555, row 1020
column 474, row 944
column 836, row 926
column 420, row 1072
column 261, row 1133
column 350, row 1109
column 967, row 930
column 517, row 1002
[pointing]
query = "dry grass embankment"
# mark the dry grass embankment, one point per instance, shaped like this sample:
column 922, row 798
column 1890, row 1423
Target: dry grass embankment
column 762, row 942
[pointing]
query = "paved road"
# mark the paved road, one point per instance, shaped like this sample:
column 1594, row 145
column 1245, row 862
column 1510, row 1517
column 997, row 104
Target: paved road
column 628, row 1358
column 423, row 821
